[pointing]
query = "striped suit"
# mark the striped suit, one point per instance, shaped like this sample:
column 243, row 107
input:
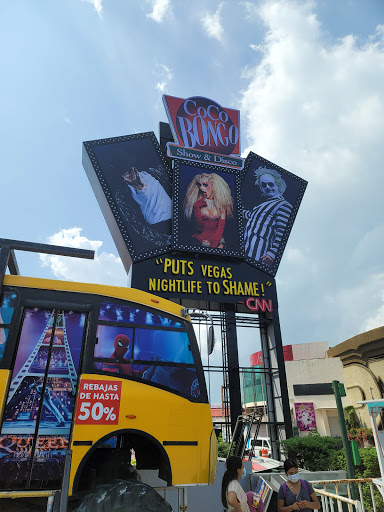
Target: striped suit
column 265, row 227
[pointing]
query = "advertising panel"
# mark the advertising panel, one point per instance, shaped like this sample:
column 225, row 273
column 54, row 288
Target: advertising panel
column 206, row 210
column 262, row 496
column 305, row 416
column 132, row 183
column 99, row 402
column 8, row 302
column 155, row 350
column 204, row 279
column 271, row 197
column 203, row 124
column 41, row 398
column 211, row 205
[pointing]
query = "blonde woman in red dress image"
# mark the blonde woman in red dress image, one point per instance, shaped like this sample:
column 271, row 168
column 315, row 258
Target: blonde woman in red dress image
column 208, row 203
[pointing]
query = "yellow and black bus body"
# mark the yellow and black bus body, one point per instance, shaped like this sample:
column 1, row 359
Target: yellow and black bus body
column 113, row 373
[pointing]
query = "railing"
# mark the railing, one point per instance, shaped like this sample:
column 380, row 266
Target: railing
column 175, row 496
column 52, row 503
column 329, row 500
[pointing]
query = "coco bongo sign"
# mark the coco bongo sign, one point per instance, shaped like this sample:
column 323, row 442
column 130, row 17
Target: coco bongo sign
column 204, row 131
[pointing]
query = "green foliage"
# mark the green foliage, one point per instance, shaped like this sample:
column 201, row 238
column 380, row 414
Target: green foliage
column 369, row 468
column 223, row 447
column 312, row 452
column 338, row 460
column 351, row 420
column 360, row 434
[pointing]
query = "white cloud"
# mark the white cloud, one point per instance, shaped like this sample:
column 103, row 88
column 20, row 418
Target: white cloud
column 315, row 106
column 97, row 4
column 377, row 320
column 257, row 47
column 67, row 120
column 331, row 92
column 212, row 24
column 106, row 268
column 160, row 86
column 296, row 256
column 251, row 10
column 163, row 75
column 362, row 306
column 160, row 10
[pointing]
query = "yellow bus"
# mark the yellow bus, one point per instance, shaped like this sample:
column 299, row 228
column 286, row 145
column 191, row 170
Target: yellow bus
column 112, row 373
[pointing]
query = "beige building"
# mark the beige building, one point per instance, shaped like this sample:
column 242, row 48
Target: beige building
column 310, row 373
column 362, row 358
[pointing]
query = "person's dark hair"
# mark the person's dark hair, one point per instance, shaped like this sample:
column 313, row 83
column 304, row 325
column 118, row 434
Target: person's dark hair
column 290, row 463
column 233, row 464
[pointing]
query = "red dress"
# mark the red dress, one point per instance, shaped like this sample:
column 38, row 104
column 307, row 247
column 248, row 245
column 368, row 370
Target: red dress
column 209, row 228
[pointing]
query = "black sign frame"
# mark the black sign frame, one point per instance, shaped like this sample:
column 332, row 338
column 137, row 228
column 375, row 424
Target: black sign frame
column 105, row 188
column 287, row 210
column 182, row 228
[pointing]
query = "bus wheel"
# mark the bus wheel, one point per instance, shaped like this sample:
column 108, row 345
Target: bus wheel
column 124, row 496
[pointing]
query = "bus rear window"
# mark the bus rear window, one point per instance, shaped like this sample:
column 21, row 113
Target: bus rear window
column 114, row 342
column 8, row 301
column 125, row 343
column 7, row 307
column 170, row 346
column 111, row 312
column 137, row 342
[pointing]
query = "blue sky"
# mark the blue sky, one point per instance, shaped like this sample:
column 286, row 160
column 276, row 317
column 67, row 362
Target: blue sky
column 308, row 77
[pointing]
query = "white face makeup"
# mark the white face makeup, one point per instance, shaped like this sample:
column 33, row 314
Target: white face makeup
column 268, row 186
column 205, row 187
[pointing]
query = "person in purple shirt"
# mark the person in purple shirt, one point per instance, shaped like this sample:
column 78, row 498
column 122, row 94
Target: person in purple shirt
column 295, row 493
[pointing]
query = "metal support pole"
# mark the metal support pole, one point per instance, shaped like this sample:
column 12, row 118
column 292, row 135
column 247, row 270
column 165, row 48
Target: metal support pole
column 343, row 428
column 4, row 257
column 344, row 436
column 8, row 258
column 282, row 374
column 233, row 365
column 65, row 483
column 271, row 406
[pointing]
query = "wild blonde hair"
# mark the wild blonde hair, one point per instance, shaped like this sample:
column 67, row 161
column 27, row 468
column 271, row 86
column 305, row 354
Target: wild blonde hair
column 281, row 185
column 222, row 196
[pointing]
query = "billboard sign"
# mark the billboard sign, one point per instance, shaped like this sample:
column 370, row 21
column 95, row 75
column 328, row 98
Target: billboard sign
column 271, row 197
column 207, row 210
column 132, row 183
column 305, row 416
column 175, row 151
column 204, row 279
column 41, row 400
column 203, row 125
column 214, row 204
column 99, row 402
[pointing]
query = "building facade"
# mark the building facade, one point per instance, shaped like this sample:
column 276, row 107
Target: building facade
column 310, row 373
column 362, row 358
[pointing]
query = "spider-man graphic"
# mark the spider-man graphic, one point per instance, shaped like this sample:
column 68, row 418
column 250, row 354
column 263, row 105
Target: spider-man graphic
column 121, row 345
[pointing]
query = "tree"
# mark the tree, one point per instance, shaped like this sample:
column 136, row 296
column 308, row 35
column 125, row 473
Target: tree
column 223, row 447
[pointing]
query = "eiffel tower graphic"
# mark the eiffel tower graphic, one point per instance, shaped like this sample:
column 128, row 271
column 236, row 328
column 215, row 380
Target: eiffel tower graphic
column 61, row 363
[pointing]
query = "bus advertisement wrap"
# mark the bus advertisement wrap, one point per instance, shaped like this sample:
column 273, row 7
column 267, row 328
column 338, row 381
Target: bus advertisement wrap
column 145, row 346
column 42, row 394
column 99, row 402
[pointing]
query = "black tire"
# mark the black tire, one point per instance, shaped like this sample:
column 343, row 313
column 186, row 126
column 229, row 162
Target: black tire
column 124, row 496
